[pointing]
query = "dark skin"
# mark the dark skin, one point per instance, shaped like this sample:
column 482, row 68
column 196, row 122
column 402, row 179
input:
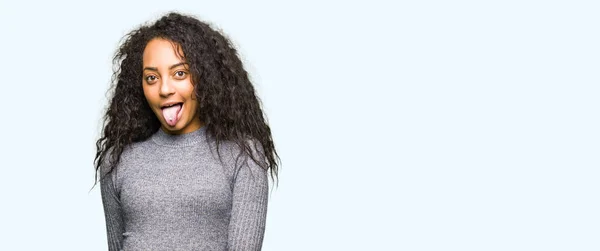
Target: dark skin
column 166, row 79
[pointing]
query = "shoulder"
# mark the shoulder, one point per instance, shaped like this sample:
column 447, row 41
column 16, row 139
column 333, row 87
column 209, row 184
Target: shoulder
column 114, row 160
column 245, row 156
column 243, row 149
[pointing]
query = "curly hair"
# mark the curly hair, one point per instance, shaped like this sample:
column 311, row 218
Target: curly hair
column 227, row 103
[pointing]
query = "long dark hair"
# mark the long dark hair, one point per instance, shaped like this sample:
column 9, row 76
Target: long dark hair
column 227, row 103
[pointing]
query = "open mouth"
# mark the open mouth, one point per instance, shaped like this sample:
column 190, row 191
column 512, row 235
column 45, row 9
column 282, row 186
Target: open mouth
column 171, row 105
column 172, row 113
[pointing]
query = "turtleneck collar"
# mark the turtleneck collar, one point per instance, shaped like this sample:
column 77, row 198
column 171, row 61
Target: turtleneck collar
column 187, row 139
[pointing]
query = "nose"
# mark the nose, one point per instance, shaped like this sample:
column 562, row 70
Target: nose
column 166, row 89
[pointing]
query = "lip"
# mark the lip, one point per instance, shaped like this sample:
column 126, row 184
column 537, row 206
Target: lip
column 180, row 113
column 170, row 103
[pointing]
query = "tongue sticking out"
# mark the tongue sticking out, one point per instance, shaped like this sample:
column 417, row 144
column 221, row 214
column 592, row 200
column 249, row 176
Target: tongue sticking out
column 170, row 114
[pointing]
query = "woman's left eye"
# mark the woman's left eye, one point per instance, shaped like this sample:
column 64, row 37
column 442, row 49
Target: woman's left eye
column 180, row 73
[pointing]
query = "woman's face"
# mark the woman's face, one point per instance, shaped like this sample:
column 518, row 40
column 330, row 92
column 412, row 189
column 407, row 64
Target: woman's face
column 168, row 88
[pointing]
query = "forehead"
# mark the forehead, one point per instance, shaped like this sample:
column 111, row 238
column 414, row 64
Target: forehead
column 161, row 52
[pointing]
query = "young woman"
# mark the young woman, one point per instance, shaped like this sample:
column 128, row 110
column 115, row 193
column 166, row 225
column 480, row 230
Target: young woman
column 185, row 151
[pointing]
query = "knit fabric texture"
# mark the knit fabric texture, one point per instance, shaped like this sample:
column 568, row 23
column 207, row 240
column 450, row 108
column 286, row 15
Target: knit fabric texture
column 172, row 192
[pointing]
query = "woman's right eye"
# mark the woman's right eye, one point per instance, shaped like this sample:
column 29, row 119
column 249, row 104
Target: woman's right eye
column 150, row 78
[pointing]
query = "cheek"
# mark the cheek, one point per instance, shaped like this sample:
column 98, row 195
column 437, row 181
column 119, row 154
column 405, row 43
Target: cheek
column 148, row 95
column 191, row 107
column 189, row 89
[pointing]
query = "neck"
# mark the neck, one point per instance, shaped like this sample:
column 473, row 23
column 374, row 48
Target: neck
column 183, row 139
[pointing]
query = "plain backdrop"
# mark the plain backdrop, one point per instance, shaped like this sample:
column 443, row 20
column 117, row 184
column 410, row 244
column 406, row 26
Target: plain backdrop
column 402, row 125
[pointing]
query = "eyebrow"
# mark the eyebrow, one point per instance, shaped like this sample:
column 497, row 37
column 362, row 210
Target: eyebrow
column 171, row 67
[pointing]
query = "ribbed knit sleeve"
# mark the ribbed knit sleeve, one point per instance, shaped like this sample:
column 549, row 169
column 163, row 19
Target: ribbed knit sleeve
column 249, row 211
column 112, row 213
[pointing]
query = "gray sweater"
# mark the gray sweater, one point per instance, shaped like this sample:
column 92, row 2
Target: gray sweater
column 171, row 192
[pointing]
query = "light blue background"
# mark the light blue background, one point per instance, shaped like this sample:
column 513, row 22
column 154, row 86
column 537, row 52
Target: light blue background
column 415, row 125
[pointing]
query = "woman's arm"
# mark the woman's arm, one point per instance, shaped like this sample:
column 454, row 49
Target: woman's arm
column 249, row 211
column 112, row 213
